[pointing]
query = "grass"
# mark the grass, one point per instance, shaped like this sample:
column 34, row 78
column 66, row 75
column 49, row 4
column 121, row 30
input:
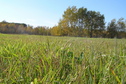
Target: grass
column 26, row 59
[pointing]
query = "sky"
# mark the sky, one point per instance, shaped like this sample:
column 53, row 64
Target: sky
column 49, row 12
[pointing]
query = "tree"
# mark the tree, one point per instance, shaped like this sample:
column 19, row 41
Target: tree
column 55, row 31
column 11, row 28
column 75, row 20
column 81, row 16
column 3, row 27
column 94, row 22
column 4, row 21
column 29, row 29
column 112, row 29
column 121, row 28
column 21, row 29
column 117, row 28
column 69, row 21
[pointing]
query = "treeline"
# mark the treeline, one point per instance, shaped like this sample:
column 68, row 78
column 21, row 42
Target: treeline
column 21, row 28
column 79, row 22
column 85, row 23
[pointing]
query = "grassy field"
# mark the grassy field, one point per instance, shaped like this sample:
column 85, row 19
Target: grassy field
column 32, row 59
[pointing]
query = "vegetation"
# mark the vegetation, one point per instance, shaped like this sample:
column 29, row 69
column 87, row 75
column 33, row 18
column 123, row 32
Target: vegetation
column 78, row 22
column 36, row 59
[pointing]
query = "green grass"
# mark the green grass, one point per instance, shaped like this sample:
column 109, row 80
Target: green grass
column 26, row 59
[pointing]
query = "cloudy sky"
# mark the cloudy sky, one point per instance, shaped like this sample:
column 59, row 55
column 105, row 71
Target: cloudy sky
column 48, row 12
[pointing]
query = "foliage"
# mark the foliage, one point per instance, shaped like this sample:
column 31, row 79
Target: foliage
column 117, row 28
column 36, row 59
column 77, row 22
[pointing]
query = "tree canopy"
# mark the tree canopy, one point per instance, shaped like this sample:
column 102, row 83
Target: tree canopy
column 75, row 21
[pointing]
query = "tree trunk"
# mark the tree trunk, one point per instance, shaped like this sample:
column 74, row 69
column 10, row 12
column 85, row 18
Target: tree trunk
column 91, row 31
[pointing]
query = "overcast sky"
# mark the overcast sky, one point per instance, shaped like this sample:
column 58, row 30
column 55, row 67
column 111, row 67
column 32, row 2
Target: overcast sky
column 48, row 12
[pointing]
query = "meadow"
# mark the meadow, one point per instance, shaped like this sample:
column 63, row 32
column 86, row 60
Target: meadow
column 36, row 59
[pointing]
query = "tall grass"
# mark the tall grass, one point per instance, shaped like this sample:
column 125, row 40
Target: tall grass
column 26, row 59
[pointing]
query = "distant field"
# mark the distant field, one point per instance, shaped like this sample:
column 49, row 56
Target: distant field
column 35, row 59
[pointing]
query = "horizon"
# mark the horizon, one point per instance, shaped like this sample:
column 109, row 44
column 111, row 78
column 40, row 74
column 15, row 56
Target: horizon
column 48, row 13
